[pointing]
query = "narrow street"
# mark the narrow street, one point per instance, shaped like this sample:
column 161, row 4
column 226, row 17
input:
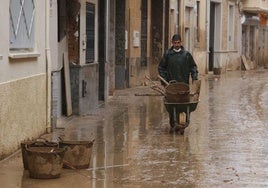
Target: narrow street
column 225, row 145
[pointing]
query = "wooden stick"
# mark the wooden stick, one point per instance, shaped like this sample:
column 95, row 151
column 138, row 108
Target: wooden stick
column 148, row 78
column 72, row 167
column 159, row 90
column 163, row 80
column 155, row 86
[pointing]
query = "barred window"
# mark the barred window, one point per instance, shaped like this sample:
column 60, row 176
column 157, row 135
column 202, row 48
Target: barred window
column 22, row 13
column 231, row 27
column 90, row 32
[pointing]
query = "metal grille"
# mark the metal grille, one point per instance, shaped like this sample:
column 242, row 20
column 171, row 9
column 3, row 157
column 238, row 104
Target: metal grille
column 22, row 13
column 90, row 31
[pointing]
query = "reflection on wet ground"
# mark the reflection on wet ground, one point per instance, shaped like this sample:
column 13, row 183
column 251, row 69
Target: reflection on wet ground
column 224, row 146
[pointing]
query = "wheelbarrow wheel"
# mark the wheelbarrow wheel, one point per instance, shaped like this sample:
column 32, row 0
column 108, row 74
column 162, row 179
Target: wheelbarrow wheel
column 178, row 129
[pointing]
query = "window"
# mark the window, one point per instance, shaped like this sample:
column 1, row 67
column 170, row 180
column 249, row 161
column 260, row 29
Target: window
column 90, row 32
column 231, row 27
column 22, row 13
column 197, row 9
column 62, row 18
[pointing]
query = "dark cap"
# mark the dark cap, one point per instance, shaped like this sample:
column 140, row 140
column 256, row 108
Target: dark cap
column 176, row 37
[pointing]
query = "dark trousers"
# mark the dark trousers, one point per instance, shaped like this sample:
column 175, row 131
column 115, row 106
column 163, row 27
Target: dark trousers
column 174, row 118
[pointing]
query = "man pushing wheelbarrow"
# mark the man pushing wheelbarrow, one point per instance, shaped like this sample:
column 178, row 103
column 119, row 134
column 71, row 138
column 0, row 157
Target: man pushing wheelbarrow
column 175, row 69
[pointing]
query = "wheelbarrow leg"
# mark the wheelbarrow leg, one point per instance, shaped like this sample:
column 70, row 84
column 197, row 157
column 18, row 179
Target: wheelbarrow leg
column 172, row 117
column 176, row 121
column 188, row 115
column 182, row 127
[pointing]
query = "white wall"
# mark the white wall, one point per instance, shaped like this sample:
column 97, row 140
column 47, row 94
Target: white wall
column 22, row 85
column 16, row 69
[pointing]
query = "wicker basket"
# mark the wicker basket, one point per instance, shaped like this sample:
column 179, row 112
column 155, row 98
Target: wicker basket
column 178, row 92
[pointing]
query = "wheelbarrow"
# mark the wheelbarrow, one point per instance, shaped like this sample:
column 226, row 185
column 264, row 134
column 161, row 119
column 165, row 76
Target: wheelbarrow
column 175, row 109
column 180, row 98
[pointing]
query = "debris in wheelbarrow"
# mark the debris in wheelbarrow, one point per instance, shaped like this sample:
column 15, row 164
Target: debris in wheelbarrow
column 181, row 92
column 177, row 92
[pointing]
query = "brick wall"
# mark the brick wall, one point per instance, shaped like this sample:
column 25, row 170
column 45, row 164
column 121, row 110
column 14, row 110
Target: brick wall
column 73, row 42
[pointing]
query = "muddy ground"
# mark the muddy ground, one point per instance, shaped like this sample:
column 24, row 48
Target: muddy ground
column 225, row 145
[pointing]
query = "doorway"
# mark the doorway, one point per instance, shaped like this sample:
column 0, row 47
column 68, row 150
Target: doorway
column 102, row 48
column 157, row 33
column 121, row 66
column 214, row 33
column 144, row 24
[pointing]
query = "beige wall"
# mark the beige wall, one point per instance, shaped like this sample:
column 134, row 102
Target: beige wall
column 229, row 58
column 23, row 111
column 200, row 49
column 22, row 85
column 133, row 23
column 134, row 18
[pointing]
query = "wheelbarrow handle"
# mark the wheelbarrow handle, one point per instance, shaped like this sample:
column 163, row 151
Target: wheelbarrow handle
column 163, row 80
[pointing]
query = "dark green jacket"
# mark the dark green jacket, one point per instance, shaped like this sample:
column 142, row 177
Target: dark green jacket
column 178, row 66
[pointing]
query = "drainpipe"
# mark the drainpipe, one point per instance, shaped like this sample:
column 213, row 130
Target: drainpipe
column 107, row 55
column 207, row 34
column 48, row 70
column 238, row 3
column 178, row 17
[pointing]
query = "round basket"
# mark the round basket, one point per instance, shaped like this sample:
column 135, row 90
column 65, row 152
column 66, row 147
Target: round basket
column 78, row 153
column 178, row 92
column 45, row 162
column 28, row 144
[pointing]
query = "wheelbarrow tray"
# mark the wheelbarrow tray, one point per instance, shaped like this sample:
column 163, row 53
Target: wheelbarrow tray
column 181, row 107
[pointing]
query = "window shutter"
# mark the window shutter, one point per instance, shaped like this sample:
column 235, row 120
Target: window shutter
column 22, row 13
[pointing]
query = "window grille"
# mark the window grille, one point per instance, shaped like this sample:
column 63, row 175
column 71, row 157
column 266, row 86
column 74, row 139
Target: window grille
column 90, row 32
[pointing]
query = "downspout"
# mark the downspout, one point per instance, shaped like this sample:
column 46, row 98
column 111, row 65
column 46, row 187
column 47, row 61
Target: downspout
column 48, row 70
column 178, row 17
column 240, row 40
column 207, row 35
column 238, row 2
column 107, row 55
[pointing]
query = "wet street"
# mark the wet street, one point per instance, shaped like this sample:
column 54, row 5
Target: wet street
column 225, row 145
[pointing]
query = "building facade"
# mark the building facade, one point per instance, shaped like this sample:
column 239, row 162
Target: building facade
column 24, row 73
column 253, row 17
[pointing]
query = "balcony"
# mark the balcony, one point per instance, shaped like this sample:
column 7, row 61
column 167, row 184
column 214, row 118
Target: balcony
column 254, row 6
